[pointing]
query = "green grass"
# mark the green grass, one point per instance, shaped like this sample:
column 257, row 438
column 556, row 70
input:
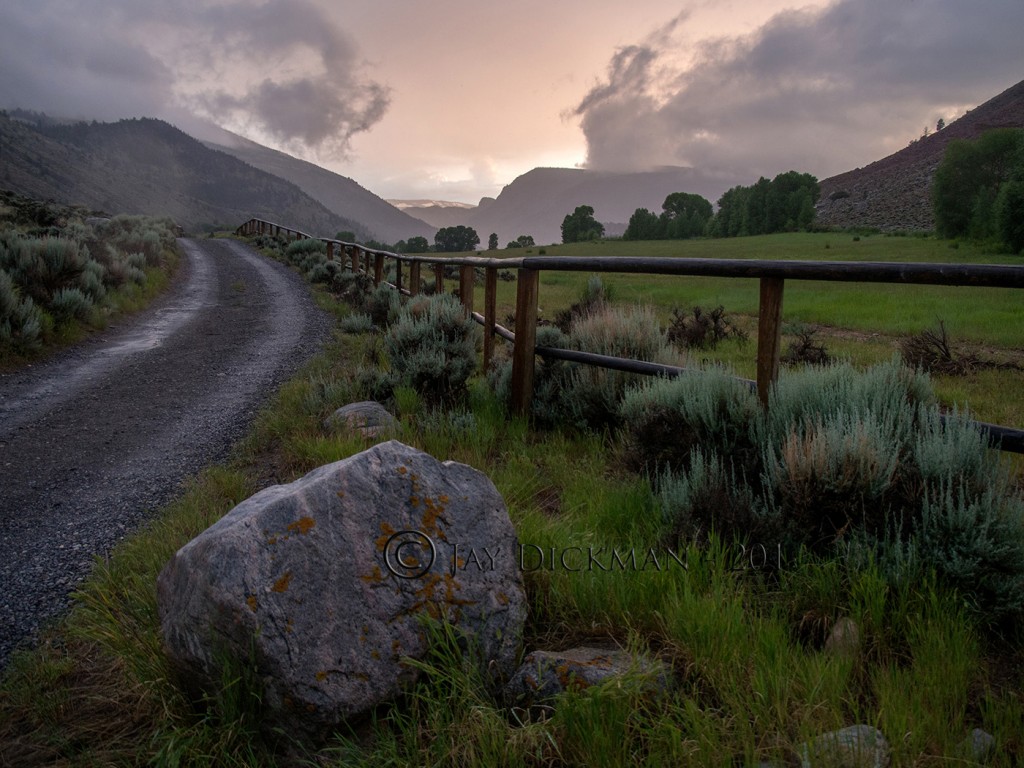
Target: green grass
column 751, row 680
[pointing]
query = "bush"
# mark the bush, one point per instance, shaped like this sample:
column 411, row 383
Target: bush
column 383, row 305
column 20, row 321
column 665, row 420
column 806, row 349
column 702, row 329
column 357, row 323
column 432, row 348
column 593, row 395
column 70, row 304
column 595, row 298
column 843, row 462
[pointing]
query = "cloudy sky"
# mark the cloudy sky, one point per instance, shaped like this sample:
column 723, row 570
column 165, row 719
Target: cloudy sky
column 451, row 99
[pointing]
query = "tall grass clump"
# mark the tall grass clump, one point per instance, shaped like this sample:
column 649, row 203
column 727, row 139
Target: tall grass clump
column 432, row 348
column 20, row 322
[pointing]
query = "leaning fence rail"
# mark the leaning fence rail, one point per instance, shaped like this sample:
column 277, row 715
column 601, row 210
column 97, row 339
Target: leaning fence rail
column 771, row 274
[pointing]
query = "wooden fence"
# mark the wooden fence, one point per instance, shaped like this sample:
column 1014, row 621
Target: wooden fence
column 771, row 274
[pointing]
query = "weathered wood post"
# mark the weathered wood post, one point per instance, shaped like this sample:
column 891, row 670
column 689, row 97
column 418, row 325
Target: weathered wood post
column 330, row 250
column 769, row 335
column 467, row 277
column 527, row 290
column 398, row 275
column 378, row 268
column 490, row 312
column 354, row 255
column 414, row 278
column 439, row 278
column 366, row 261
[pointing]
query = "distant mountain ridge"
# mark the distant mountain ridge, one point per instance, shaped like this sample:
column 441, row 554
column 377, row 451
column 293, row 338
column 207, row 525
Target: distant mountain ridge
column 536, row 202
column 377, row 217
column 147, row 166
column 894, row 193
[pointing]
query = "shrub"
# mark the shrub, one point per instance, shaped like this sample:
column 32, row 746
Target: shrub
column 664, row 420
column 357, row 323
column 806, row 349
column 20, row 321
column 383, row 305
column 595, row 298
column 711, row 497
column 702, row 329
column 432, row 348
column 70, row 303
column 593, row 395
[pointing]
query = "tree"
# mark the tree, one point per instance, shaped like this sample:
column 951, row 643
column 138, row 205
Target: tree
column 417, row 244
column 643, row 225
column 492, row 242
column 456, row 239
column 970, row 179
column 345, row 236
column 685, row 215
column 580, row 226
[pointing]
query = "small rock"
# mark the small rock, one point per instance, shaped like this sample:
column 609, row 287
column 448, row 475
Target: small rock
column 859, row 746
column 844, row 639
column 978, row 746
column 545, row 674
column 369, row 418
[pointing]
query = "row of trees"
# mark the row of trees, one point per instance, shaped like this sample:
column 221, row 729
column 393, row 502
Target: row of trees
column 978, row 190
column 784, row 204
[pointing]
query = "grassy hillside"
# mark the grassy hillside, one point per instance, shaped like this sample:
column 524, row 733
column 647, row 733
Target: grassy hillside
column 149, row 167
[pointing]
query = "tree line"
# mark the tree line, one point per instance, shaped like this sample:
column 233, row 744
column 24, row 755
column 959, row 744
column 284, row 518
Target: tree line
column 978, row 191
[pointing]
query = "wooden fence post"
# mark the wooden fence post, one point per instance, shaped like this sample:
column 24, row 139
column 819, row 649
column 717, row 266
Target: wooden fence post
column 378, row 268
column 523, row 355
column 366, row 261
column 490, row 310
column 330, row 251
column 769, row 335
column 467, row 277
column 398, row 275
column 439, row 278
column 354, row 255
column 414, row 278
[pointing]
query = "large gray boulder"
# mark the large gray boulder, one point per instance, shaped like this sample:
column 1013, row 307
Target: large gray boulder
column 323, row 585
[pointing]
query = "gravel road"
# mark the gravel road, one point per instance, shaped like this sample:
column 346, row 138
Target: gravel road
column 96, row 440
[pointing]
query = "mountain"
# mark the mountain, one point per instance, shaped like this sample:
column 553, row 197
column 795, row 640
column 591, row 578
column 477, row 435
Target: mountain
column 537, row 202
column 340, row 194
column 894, row 193
column 150, row 167
column 437, row 213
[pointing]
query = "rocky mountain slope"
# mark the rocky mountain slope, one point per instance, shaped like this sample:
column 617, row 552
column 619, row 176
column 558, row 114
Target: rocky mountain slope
column 381, row 220
column 894, row 193
column 150, row 167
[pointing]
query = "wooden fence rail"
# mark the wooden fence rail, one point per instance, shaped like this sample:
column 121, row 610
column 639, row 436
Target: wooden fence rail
column 772, row 275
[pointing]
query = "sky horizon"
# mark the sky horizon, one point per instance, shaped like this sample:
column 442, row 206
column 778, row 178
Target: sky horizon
column 453, row 99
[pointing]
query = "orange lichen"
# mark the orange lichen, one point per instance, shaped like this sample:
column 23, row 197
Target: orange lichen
column 251, row 602
column 374, row 578
column 321, row 676
column 402, row 470
column 382, row 540
column 302, row 526
column 281, row 585
column 272, row 540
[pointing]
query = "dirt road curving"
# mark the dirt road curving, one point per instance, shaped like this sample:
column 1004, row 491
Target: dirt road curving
column 94, row 441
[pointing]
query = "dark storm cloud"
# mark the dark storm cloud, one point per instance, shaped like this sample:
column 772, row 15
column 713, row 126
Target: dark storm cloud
column 280, row 66
column 820, row 91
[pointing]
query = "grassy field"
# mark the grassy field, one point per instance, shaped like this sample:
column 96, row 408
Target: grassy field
column 752, row 680
column 860, row 322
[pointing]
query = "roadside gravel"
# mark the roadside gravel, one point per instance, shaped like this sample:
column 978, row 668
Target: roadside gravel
column 93, row 442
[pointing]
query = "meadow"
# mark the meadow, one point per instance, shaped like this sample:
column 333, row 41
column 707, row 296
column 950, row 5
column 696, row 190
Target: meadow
column 752, row 677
